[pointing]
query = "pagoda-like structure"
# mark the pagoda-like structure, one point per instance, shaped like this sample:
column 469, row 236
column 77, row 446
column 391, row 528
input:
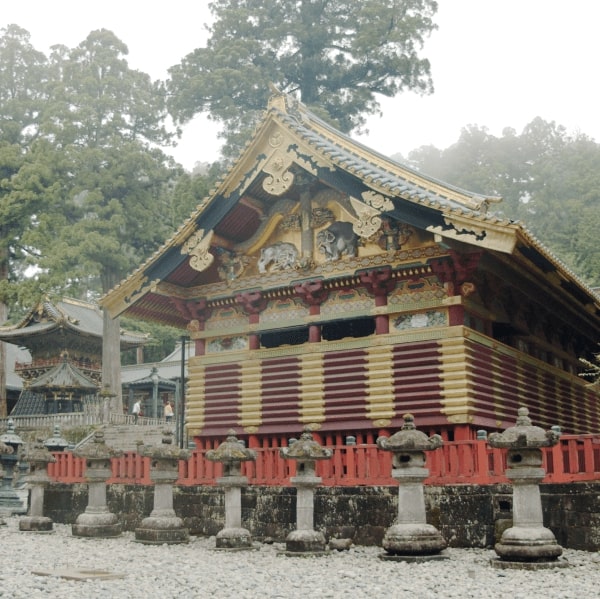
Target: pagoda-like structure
column 64, row 340
column 329, row 287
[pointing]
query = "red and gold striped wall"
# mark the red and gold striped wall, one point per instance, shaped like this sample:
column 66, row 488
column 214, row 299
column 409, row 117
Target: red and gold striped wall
column 450, row 378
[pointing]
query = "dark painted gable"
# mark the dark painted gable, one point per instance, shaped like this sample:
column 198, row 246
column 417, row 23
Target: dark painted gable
column 292, row 154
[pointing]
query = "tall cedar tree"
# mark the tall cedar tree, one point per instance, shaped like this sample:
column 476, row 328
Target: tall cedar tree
column 104, row 202
column 22, row 83
column 337, row 56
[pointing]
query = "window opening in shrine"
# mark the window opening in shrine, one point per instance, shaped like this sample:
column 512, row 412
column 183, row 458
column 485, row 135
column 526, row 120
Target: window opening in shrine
column 295, row 336
column 357, row 327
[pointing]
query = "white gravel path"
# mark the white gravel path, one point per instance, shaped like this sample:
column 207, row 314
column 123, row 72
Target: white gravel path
column 196, row 570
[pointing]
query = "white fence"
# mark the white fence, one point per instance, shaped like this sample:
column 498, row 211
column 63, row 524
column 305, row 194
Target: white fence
column 72, row 419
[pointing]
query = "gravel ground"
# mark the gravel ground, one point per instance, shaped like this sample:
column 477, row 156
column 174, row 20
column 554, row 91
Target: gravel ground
column 197, row 570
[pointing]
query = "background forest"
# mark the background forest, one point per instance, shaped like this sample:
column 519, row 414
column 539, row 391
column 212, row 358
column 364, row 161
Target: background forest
column 88, row 189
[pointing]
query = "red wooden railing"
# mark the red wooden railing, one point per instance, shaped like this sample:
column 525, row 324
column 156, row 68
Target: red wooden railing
column 574, row 458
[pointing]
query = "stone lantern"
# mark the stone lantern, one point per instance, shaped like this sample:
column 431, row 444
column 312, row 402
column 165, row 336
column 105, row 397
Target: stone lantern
column 527, row 540
column 163, row 526
column 97, row 521
column 38, row 458
column 4, row 449
column 11, row 501
column 231, row 453
column 56, row 442
column 410, row 538
column 306, row 451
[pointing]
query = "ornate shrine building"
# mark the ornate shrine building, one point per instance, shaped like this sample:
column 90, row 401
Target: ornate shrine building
column 64, row 340
column 327, row 286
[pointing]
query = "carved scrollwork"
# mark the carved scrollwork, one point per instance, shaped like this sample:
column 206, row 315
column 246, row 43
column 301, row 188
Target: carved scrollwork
column 280, row 179
column 367, row 225
column 377, row 201
column 368, row 221
column 197, row 247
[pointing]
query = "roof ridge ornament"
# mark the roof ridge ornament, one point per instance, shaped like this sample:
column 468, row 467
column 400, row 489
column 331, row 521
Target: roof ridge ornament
column 283, row 102
column 277, row 99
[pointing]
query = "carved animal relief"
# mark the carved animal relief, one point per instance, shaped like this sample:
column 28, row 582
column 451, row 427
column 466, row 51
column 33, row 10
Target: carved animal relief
column 337, row 240
column 276, row 257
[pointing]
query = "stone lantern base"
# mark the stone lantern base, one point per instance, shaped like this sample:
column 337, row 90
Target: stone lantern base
column 412, row 541
column 305, row 542
column 101, row 525
column 158, row 530
column 234, row 538
column 36, row 524
column 528, row 544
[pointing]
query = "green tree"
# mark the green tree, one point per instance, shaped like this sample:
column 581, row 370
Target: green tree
column 335, row 55
column 108, row 184
column 22, row 94
column 547, row 178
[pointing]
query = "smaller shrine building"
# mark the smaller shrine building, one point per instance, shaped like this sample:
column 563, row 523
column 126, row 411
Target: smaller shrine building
column 64, row 342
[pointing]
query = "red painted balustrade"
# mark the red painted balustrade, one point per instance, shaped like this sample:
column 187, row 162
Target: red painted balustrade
column 574, row 458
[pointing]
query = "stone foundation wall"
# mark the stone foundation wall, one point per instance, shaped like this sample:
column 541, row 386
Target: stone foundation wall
column 467, row 516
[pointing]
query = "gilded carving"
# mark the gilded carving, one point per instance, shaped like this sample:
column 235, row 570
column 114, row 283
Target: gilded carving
column 232, row 265
column 368, row 221
column 194, row 326
column 197, row 247
column 393, row 235
column 291, row 222
column 377, row 201
column 280, row 179
column 140, row 286
column 276, row 139
column 321, row 216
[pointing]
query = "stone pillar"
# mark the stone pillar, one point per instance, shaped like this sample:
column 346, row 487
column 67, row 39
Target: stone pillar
column 163, row 526
column 231, row 453
column 38, row 458
column 410, row 538
column 97, row 520
column 306, row 451
column 527, row 544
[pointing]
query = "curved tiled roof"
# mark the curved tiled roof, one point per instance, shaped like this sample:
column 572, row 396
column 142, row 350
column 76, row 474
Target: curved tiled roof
column 380, row 173
column 81, row 317
column 395, row 178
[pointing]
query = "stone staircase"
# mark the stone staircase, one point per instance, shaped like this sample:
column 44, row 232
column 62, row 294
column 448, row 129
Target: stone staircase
column 126, row 436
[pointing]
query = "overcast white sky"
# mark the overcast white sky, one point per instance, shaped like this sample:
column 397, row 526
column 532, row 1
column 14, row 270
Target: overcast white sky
column 495, row 63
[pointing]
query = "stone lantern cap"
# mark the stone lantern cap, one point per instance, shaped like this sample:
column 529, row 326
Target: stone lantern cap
column 167, row 450
column 56, row 442
column 97, row 449
column 524, row 435
column 408, row 439
column 231, row 451
column 10, row 437
column 306, row 449
column 37, row 453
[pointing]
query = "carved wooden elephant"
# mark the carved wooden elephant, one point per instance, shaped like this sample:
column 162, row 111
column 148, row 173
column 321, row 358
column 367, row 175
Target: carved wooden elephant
column 336, row 240
column 279, row 256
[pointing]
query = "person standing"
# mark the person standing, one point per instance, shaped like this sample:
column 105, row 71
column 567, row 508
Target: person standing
column 168, row 412
column 137, row 408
